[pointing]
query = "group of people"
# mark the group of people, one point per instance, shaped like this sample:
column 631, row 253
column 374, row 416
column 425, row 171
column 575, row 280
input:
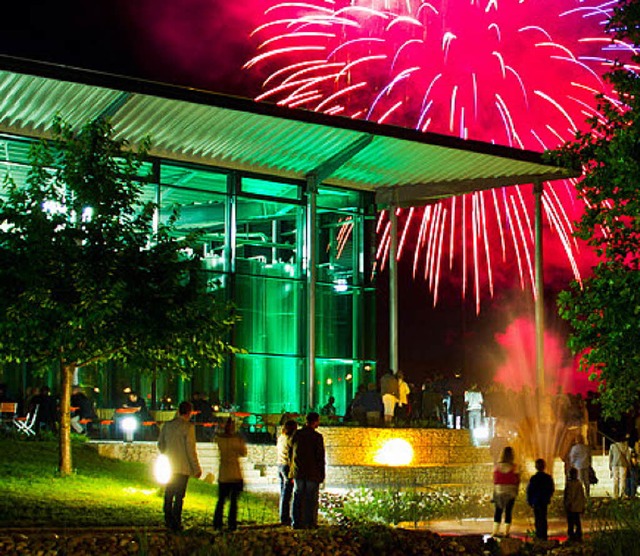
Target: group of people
column 539, row 491
column 301, row 468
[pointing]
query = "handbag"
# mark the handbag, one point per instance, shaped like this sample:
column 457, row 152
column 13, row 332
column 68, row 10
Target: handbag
column 593, row 479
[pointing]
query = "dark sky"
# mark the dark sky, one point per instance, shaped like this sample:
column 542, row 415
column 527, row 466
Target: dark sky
column 203, row 44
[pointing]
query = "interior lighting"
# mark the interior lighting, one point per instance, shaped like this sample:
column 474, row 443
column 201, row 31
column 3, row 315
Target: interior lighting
column 348, row 377
column 394, row 452
column 329, row 381
column 162, row 469
column 340, row 285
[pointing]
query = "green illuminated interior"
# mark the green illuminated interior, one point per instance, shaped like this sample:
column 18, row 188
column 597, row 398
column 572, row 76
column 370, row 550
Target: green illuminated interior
column 254, row 245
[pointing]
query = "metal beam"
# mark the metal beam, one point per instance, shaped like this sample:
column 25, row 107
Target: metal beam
column 414, row 195
column 329, row 166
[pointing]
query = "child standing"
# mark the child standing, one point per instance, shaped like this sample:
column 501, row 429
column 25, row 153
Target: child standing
column 539, row 492
column 574, row 503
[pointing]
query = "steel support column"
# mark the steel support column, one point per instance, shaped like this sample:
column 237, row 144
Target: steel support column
column 539, row 289
column 393, row 290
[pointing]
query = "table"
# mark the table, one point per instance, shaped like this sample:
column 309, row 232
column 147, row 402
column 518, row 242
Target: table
column 162, row 415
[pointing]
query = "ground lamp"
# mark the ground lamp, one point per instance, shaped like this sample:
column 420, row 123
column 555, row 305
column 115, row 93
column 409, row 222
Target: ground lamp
column 129, row 426
column 162, row 469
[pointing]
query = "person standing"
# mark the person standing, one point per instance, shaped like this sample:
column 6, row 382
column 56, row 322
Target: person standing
column 619, row 457
column 580, row 459
column 177, row 441
column 284, row 469
column 574, row 503
column 390, row 392
column 506, row 480
column 633, row 472
column 473, row 401
column 232, row 447
column 403, row 409
column 329, row 409
column 308, row 472
column 539, row 492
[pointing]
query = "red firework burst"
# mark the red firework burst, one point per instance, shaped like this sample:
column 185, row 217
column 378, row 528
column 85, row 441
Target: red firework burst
column 515, row 72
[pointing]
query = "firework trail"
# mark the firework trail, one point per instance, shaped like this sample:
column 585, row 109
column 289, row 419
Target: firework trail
column 520, row 73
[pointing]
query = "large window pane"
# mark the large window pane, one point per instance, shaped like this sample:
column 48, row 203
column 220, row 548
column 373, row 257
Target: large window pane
column 193, row 178
column 269, row 384
column 271, row 188
column 267, row 238
column 337, row 249
column 272, row 312
column 334, row 321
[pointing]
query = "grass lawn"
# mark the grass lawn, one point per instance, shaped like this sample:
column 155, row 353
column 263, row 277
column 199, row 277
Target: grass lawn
column 101, row 492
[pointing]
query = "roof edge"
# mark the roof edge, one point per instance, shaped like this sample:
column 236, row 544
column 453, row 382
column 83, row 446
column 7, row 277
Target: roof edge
column 199, row 96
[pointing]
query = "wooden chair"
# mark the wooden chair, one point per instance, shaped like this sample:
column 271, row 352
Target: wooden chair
column 8, row 410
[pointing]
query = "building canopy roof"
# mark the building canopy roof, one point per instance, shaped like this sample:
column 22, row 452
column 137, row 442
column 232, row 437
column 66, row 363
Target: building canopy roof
column 402, row 166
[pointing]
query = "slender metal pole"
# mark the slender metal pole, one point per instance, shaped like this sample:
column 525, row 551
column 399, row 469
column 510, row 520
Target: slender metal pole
column 312, row 255
column 393, row 290
column 539, row 290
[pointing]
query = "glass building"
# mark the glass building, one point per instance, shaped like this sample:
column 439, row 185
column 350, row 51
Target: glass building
column 287, row 200
column 254, row 244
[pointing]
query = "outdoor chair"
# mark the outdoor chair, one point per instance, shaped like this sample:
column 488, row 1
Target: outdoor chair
column 8, row 410
column 27, row 425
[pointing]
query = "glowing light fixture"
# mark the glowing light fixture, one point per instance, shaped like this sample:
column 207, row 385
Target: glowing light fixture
column 329, row 381
column 162, row 469
column 394, row 452
column 129, row 426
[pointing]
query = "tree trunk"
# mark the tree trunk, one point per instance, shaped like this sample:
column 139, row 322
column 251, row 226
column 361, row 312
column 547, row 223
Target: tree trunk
column 65, row 464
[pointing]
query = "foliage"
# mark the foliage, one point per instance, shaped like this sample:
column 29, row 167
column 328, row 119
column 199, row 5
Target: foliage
column 617, row 526
column 83, row 275
column 87, row 274
column 604, row 311
column 402, row 505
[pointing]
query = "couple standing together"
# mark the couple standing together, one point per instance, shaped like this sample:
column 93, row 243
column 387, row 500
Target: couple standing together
column 177, row 441
column 301, row 469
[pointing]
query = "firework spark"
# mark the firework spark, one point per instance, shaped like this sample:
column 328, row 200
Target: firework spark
column 520, row 73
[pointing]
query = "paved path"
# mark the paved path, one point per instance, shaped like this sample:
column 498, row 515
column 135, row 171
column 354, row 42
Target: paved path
column 483, row 526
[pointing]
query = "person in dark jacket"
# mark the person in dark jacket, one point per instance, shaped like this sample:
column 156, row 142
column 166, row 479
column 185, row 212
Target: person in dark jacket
column 307, row 472
column 539, row 493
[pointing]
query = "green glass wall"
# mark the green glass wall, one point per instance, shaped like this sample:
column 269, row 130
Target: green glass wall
column 253, row 245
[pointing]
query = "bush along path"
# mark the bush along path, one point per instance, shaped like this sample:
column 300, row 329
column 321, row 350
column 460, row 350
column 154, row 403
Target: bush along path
column 368, row 540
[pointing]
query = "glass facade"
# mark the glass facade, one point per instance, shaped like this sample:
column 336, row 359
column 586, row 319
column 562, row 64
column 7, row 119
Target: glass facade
column 254, row 245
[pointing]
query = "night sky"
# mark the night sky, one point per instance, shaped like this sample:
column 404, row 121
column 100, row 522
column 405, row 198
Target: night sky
column 204, row 44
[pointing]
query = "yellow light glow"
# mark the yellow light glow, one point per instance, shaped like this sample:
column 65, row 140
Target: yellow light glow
column 162, row 469
column 394, row 452
column 329, row 381
column 145, row 491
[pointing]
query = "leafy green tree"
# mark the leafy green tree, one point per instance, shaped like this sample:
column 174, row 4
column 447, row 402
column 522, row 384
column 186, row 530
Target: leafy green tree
column 604, row 312
column 85, row 276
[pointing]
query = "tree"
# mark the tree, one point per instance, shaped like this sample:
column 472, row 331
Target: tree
column 84, row 277
column 604, row 312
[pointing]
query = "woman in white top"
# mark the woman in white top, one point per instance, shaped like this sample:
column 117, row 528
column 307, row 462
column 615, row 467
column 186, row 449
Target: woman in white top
column 284, row 465
column 232, row 447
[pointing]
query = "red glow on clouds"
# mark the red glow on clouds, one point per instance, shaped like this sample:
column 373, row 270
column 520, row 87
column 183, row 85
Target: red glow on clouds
column 518, row 367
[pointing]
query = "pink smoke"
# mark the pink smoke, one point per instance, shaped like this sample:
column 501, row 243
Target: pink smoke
column 518, row 367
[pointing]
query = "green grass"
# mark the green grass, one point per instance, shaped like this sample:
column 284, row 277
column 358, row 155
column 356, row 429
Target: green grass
column 101, row 491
